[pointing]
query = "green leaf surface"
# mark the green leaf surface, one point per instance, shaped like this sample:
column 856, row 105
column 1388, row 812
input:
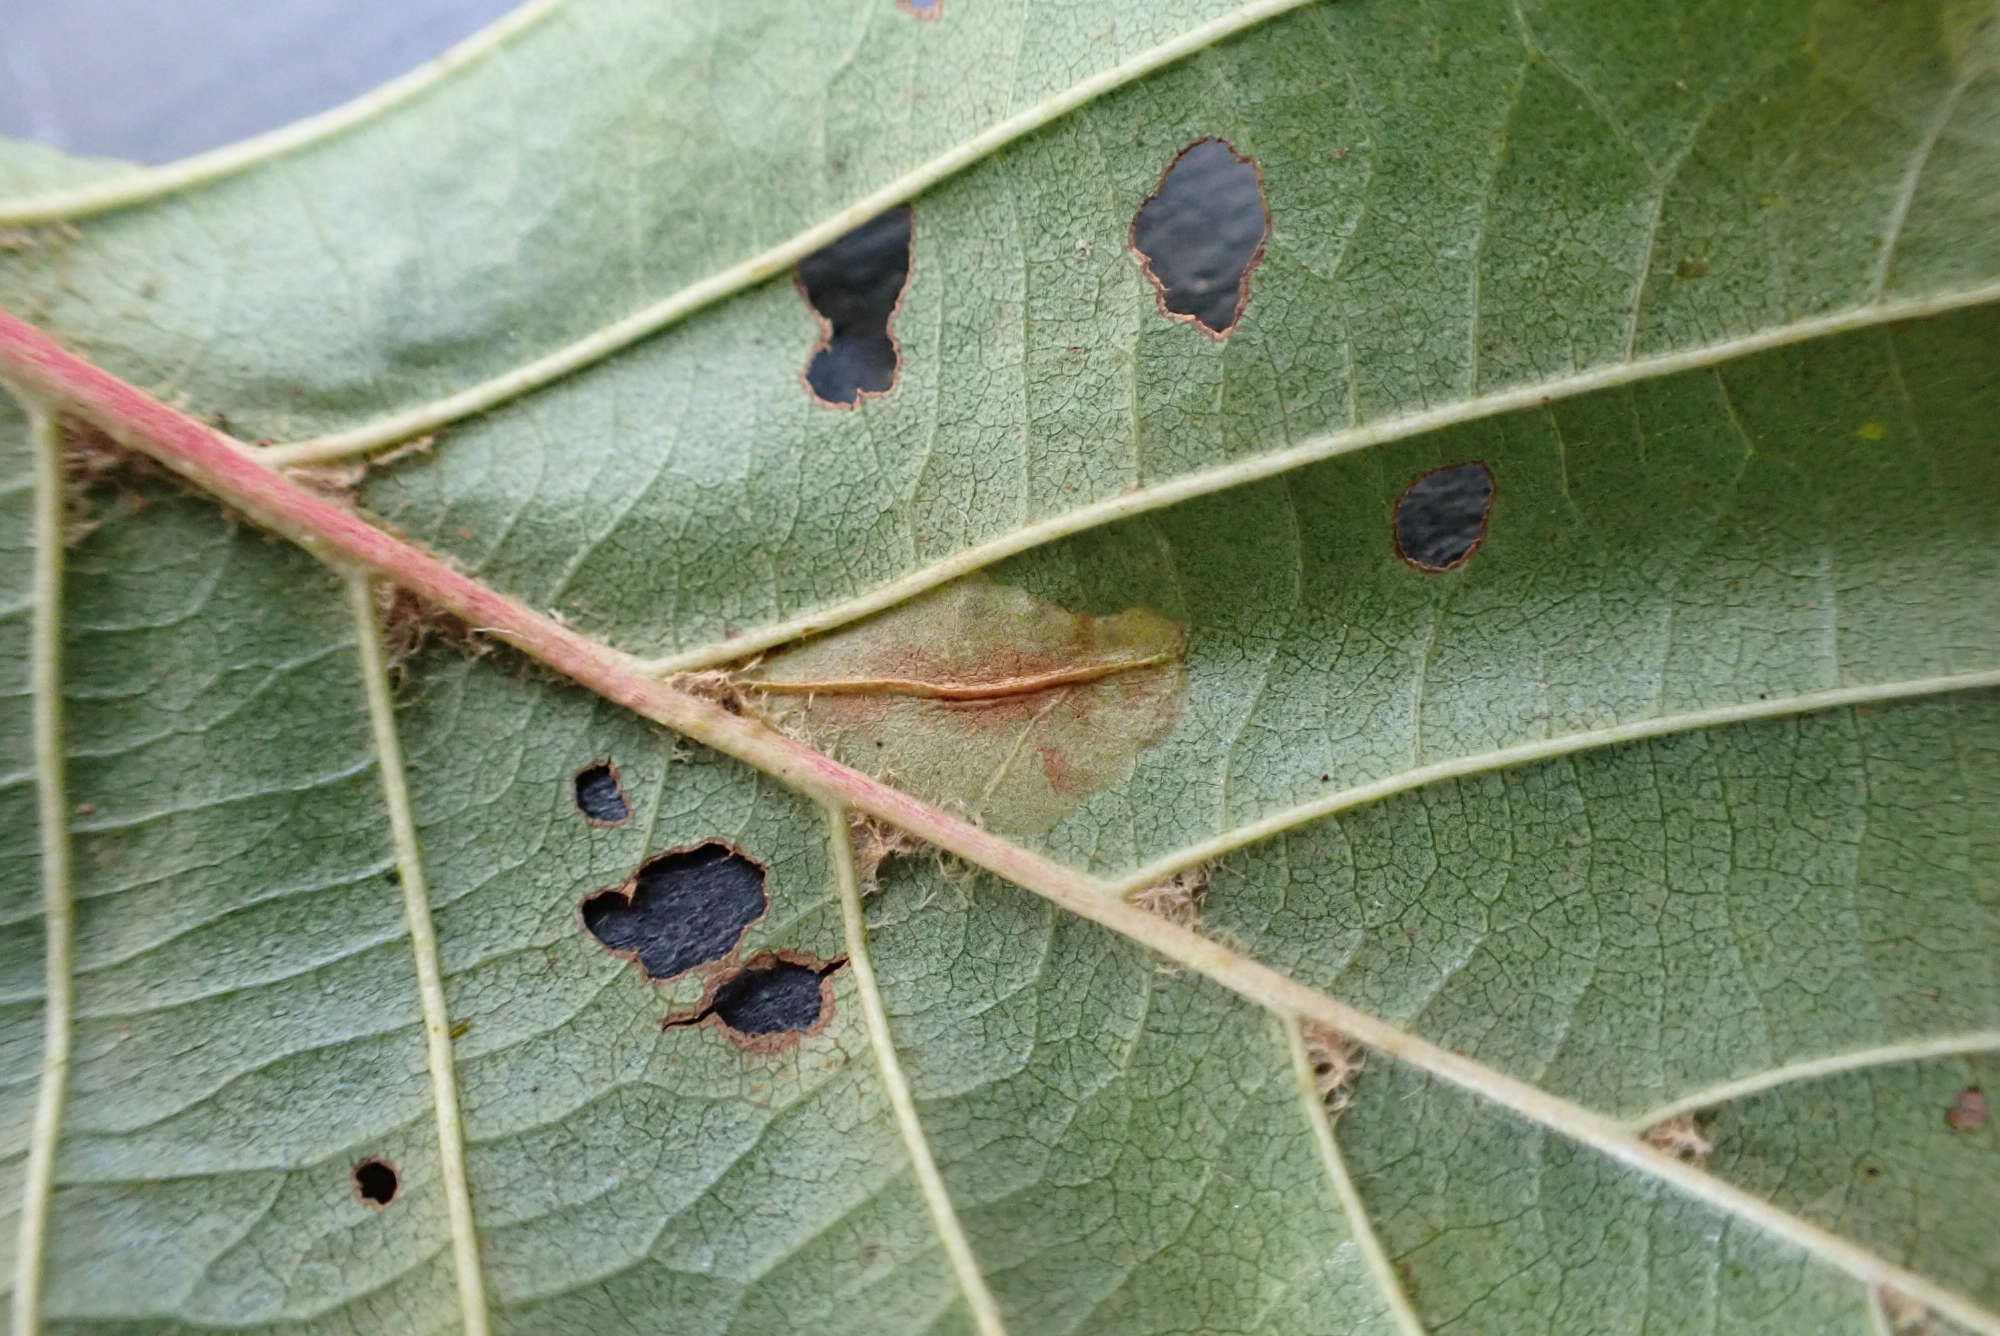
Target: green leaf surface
column 1675, row 800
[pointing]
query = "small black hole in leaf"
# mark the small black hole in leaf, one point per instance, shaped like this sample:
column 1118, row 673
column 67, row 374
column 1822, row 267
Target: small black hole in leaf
column 1441, row 517
column 774, row 998
column 599, row 795
column 681, row 909
column 376, row 1181
column 854, row 286
column 1202, row 232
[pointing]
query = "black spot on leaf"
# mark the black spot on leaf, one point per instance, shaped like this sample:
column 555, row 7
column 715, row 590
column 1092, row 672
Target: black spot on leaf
column 681, row 909
column 599, row 795
column 854, row 286
column 1202, row 232
column 376, row 1181
column 1441, row 517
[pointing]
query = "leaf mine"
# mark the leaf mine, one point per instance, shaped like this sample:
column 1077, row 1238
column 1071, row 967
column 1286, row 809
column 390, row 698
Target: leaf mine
column 986, row 698
column 1201, row 233
column 681, row 909
column 855, row 286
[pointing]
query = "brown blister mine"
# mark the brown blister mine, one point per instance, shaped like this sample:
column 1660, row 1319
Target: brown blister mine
column 984, row 699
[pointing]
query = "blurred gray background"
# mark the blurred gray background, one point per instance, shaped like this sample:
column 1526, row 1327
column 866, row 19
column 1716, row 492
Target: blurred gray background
column 153, row 80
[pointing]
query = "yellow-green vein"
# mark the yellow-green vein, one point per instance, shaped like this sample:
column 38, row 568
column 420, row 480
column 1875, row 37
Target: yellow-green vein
column 1590, row 739
column 1814, row 1069
column 423, row 945
column 1394, row 1299
column 978, row 1299
column 52, row 819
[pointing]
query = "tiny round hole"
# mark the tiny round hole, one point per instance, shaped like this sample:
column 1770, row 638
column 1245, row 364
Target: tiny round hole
column 376, row 1181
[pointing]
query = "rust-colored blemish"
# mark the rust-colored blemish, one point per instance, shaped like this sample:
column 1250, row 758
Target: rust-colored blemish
column 1968, row 1110
column 985, row 696
column 702, row 1015
column 1058, row 770
column 1256, row 256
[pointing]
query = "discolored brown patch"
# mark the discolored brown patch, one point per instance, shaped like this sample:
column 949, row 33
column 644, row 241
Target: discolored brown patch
column 984, row 698
column 1968, row 1111
column 1336, row 1062
column 1681, row 1137
column 1906, row 1316
column 875, row 843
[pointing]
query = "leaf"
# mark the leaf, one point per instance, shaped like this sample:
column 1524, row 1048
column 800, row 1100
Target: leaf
column 1669, row 807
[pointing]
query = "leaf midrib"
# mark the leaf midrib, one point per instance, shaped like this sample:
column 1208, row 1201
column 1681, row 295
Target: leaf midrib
column 229, row 471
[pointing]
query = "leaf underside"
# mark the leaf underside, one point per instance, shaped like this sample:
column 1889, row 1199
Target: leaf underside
column 1466, row 200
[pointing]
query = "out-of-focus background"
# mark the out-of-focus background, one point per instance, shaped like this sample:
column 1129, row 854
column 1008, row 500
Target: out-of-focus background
column 153, row 81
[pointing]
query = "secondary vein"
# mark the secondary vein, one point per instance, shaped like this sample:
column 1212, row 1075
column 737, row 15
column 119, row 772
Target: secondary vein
column 1542, row 749
column 1394, row 1298
column 423, row 945
column 58, row 921
column 944, row 1216
column 1814, row 1069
